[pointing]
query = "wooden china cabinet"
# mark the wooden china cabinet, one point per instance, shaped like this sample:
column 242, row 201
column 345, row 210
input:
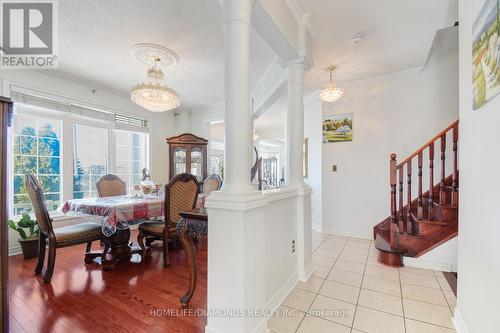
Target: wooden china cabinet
column 188, row 153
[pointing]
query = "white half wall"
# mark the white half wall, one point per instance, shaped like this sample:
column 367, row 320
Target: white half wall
column 478, row 245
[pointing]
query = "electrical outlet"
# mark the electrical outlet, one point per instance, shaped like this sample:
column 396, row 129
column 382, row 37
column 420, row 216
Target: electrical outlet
column 334, row 168
column 293, row 246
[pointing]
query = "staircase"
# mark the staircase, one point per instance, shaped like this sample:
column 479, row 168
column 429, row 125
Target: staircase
column 420, row 221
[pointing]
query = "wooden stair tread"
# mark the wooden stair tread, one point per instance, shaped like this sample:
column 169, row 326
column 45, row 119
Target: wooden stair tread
column 425, row 221
column 436, row 205
column 382, row 242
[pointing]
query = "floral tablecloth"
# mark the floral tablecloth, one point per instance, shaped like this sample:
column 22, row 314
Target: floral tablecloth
column 116, row 212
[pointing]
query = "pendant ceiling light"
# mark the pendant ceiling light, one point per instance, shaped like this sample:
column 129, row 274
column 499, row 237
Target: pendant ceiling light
column 331, row 92
column 154, row 95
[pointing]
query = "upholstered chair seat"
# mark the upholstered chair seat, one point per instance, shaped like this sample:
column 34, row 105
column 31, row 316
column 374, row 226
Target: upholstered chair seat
column 59, row 237
column 155, row 227
column 81, row 231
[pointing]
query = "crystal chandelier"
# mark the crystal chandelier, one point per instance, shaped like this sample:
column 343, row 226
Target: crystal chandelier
column 331, row 93
column 154, row 95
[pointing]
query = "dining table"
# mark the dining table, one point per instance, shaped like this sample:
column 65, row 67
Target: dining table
column 117, row 214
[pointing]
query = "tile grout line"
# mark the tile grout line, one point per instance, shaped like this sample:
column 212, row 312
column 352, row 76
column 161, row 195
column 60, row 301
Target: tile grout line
column 400, row 283
column 360, row 287
column 298, row 326
column 317, row 293
column 402, row 301
column 442, row 292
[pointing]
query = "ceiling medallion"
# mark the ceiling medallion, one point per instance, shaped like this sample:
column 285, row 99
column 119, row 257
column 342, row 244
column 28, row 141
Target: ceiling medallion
column 155, row 95
column 331, row 92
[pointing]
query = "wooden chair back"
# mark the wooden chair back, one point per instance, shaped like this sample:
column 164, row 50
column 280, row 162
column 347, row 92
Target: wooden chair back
column 181, row 194
column 37, row 200
column 110, row 186
column 212, row 183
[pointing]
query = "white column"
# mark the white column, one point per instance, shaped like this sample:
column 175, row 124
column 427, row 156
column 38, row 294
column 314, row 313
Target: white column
column 237, row 214
column 295, row 124
column 295, row 168
column 237, row 112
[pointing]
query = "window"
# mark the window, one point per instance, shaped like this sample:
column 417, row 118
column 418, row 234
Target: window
column 216, row 165
column 37, row 150
column 131, row 156
column 270, row 170
column 95, row 144
column 90, row 159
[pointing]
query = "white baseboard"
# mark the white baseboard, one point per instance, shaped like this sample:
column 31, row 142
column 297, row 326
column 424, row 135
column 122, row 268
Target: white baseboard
column 418, row 263
column 283, row 292
column 15, row 250
column 345, row 234
column 272, row 305
column 308, row 272
column 262, row 326
column 458, row 322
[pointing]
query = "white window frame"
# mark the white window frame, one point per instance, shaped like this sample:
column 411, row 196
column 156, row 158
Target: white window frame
column 111, row 147
column 145, row 153
column 67, row 154
column 39, row 113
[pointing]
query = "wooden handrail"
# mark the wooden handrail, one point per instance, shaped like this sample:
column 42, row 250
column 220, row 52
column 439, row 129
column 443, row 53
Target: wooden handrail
column 401, row 216
column 434, row 139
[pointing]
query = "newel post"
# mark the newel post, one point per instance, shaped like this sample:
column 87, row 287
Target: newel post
column 393, row 180
column 454, row 200
column 394, row 218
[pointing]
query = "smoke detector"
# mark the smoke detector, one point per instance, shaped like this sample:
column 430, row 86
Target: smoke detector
column 356, row 40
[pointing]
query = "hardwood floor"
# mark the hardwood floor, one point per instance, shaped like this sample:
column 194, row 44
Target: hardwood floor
column 82, row 298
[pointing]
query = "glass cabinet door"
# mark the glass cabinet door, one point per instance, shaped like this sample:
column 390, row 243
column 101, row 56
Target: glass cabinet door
column 197, row 163
column 179, row 160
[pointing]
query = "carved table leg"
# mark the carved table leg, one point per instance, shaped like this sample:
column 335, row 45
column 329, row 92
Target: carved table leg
column 119, row 249
column 187, row 244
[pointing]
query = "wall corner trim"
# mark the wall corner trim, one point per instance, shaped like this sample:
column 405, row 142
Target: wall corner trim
column 458, row 322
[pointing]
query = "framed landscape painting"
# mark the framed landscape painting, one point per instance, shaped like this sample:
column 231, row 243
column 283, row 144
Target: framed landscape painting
column 337, row 128
column 486, row 54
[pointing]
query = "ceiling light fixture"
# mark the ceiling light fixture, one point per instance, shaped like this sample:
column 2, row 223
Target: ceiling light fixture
column 155, row 95
column 331, row 92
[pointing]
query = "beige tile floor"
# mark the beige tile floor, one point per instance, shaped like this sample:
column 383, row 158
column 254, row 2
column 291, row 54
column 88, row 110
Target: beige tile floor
column 351, row 292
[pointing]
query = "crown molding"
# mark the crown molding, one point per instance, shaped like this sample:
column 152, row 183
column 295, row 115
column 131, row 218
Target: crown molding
column 300, row 17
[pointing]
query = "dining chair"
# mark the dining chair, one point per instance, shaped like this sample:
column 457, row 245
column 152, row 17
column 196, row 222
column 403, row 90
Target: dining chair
column 212, row 183
column 181, row 194
column 110, row 186
column 81, row 233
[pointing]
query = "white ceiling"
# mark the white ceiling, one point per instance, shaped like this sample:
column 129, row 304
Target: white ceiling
column 398, row 36
column 95, row 37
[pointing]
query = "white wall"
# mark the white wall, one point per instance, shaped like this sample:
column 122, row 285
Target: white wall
column 201, row 117
column 312, row 131
column 478, row 247
column 396, row 113
column 162, row 124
